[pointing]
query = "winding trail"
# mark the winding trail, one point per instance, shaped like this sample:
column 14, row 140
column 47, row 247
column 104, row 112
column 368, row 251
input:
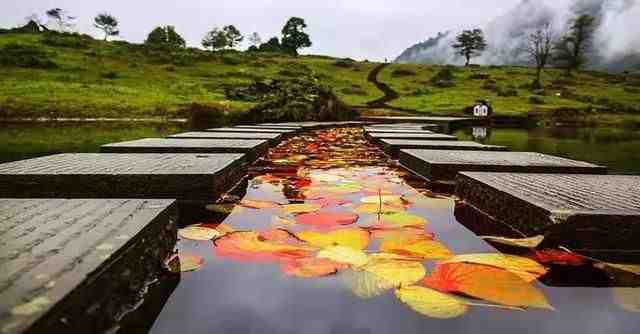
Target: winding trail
column 389, row 93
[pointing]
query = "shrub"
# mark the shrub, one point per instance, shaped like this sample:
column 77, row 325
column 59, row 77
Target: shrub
column 110, row 75
column 231, row 60
column 25, row 56
column 480, row 76
column 66, row 40
column 353, row 90
column 401, row 72
column 345, row 63
column 631, row 90
column 444, row 78
column 507, row 92
column 536, row 99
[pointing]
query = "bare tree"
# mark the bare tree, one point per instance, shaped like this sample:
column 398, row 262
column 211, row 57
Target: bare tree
column 108, row 24
column 61, row 17
column 539, row 48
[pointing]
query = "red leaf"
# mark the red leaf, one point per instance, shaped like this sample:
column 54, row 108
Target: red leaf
column 558, row 256
column 326, row 219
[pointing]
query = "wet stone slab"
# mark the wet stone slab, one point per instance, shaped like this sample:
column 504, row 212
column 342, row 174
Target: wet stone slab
column 273, row 138
column 582, row 212
column 283, row 126
column 377, row 136
column 253, row 130
column 393, row 146
column 76, row 265
column 191, row 177
column 405, row 126
column 393, row 130
column 252, row 148
column 443, row 165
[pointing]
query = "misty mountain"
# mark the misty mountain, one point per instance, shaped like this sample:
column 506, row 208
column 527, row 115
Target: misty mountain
column 615, row 47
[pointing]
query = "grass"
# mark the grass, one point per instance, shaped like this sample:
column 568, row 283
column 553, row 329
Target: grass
column 120, row 80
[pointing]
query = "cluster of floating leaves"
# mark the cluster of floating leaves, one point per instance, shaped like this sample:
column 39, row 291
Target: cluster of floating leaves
column 342, row 209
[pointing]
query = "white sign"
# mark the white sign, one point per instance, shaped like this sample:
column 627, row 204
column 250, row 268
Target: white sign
column 481, row 110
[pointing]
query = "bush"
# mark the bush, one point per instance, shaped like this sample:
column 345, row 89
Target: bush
column 401, row 72
column 354, row 90
column 345, row 63
column 536, row 99
column 444, row 78
column 631, row 90
column 66, row 40
column 480, row 76
column 507, row 92
column 25, row 56
column 111, row 75
column 490, row 85
column 230, row 60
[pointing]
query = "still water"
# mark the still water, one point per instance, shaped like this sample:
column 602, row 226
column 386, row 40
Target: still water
column 331, row 237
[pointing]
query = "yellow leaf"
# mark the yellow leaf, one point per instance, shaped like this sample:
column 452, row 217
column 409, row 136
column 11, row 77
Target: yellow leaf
column 256, row 204
column 632, row 268
column 396, row 273
column 386, row 199
column 189, row 262
column 509, row 262
column 431, row 303
column 400, row 219
column 365, row 284
column 279, row 221
column 532, row 242
column 627, row 298
column 417, row 246
column 344, row 255
column 199, row 232
column 300, row 208
column 376, row 208
column 355, row 238
column 421, row 201
column 32, row 307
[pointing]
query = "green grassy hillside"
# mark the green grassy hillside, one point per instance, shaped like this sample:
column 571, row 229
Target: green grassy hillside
column 76, row 76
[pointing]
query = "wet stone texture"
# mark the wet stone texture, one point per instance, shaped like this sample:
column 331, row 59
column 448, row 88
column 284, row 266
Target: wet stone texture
column 396, row 130
column 78, row 265
column 273, row 138
column 377, row 136
column 442, row 165
column 393, row 146
column 252, row 148
column 253, row 130
column 583, row 212
column 188, row 177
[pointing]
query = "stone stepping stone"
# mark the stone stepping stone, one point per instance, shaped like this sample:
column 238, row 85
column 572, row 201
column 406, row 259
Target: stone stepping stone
column 393, row 130
column 273, row 138
column 187, row 177
column 582, row 212
column 73, row 265
column 252, row 148
column 442, row 166
column 283, row 126
column 377, row 136
column 253, row 130
column 393, row 146
column 446, row 123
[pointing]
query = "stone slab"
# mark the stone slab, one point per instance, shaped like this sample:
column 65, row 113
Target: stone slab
column 252, row 148
column 446, row 124
column 253, row 130
column 188, row 177
column 273, row 138
column 443, row 165
column 582, row 212
column 402, row 131
column 76, row 265
column 393, row 146
column 283, row 126
column 377, row 136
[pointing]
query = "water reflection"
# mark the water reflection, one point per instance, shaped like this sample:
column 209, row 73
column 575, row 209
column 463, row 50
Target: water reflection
column 406, row 275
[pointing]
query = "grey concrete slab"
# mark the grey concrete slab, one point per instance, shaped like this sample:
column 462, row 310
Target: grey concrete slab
column 283, row 126
column 377, row 136
column 252, row 148
column 76, row 265
column 407, row 126
column 392, row 130
column 273, row 138
column 592, row 212
column 253, row 130
column 443, row 165
column 189, row 177
column 393, row 146
column 447, row 124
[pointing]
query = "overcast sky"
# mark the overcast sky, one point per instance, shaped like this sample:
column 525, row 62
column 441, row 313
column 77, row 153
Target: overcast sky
column 361, row 29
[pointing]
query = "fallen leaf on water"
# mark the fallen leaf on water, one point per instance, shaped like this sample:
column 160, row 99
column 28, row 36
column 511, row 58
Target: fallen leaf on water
column 300, row 208
column 310, row 267
column 387, row 199
column 326, row 219
column 279, row 221
column 431, row 303
column 397, row 273
column 255, row 204
column 399, row 219
column 399, row 232
column 199, row 233
column 356, row 238
column 558, row 256
column 327, row 202
column 504, row 261
column 377, row 208
column 531, row 242
column 421, row 201
column 221, row 208
column 627, row 298
column 632, row 268
column 485, row 282
column 251, row 246
column 365, row 284
column 190, row 262
column 346, row 255
column 418, row 246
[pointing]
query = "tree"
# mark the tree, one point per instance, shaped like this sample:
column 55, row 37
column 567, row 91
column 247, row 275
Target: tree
column 573, row 47
column 470, row 43
column 108, row 24
column 165, row 37
column 255, row 39
column 234, row 37
column 293, row 36
column 272, row 45
column 61, row 17
column 539, row 48
column 215, row 39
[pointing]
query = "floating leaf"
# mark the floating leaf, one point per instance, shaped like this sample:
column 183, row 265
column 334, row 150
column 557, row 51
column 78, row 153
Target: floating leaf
column 328, row 202
column 221, row 208
column 377, row 208
column 190, row 262
column 300, row 208
column 418, row 246
column 255, row 204
column 396, row 273
column 251, row 246
column 632, row 268
column 310, row 267
column 431, row 303
column 504, row 261
column 531, row 242
column 279, row 221
column 486, row 282
column 385, row 199
column 558, row 256
column 326, row 219
column 356, row 238
column 344, row 255
column 401, row 232
column 365, row 284
column 627, row 298
column 199, row 232
column 399, row 219
column 420, row 201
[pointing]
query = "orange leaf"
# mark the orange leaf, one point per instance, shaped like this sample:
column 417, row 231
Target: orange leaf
column 251, row 246
column 255, row 204
column 417, row 245
column 326, row 219
column 310, row 267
